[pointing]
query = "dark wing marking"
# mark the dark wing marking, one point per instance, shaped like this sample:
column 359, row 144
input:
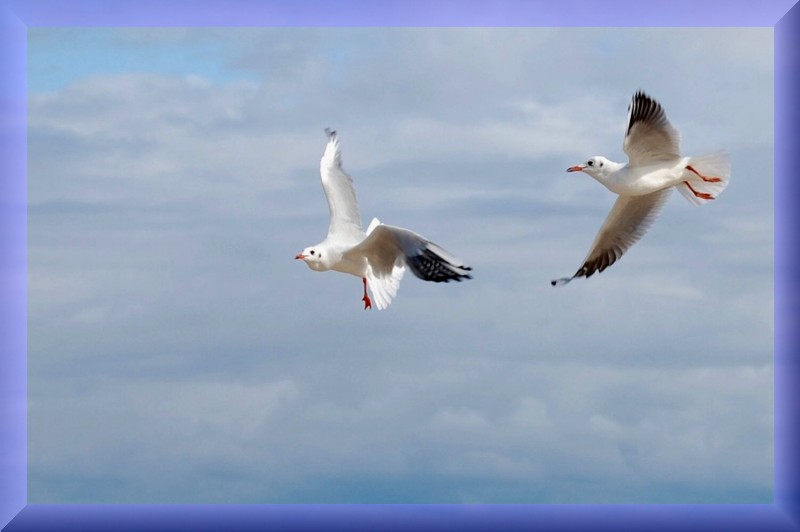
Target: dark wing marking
column 649, row 136
column 626, row 224
column 429, row 264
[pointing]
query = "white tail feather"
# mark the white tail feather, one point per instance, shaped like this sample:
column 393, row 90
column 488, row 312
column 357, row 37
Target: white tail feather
column 713, row 165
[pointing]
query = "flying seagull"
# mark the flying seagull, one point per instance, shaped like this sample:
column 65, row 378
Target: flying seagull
column 655, row 166
column 379, row 256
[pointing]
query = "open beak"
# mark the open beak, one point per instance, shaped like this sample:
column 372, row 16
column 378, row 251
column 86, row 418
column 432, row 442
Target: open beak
column 576, row 168
column 300, row 256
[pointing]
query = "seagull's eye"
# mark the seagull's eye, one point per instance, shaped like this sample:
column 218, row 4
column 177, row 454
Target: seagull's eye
column 590, row 163
column 312, row 251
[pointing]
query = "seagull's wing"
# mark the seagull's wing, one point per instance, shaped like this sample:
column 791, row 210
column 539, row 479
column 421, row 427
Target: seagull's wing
column 338, row 185
column 626, row 224
column 649, row 137
column 388, row 250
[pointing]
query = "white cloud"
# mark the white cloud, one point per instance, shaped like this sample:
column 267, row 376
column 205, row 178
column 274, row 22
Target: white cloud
column 677, row 427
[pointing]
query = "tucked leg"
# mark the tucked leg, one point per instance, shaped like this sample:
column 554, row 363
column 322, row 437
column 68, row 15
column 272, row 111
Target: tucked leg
column 701, row 176
column 365, row 299
column 701, row 195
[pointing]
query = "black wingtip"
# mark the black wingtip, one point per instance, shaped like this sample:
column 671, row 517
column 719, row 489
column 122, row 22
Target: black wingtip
column 562, row 281
column 430, row 266
column 641, row 94
column 642, row 107
column 330, row 132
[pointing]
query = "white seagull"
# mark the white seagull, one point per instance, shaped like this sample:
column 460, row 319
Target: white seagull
column 380, row 255
column 655, row 166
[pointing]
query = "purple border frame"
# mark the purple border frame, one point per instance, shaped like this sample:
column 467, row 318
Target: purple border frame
column 17, row 15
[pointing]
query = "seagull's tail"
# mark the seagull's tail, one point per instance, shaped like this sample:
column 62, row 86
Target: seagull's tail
column 705, row 177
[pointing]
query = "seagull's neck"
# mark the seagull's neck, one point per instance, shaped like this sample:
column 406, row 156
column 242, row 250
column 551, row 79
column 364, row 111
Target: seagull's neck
column 611, row 174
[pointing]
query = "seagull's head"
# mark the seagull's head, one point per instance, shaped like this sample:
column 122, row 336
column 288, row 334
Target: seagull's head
column 595, row 166
column 313, row 257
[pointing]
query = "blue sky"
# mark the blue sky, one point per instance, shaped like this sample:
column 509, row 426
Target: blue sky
column 178, row 353
column 59, row 56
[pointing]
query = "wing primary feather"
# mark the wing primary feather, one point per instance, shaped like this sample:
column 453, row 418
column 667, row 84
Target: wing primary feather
column 431, row 266
column 648, row 135
column 643, row 108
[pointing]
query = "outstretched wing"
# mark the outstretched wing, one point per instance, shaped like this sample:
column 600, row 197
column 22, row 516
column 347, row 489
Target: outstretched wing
column 649, row 136
column 388, row 250
column 626, row 224
column 345, row 221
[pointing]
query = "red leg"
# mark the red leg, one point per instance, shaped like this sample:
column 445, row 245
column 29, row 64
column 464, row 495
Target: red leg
column 365, row 299
column 701, row 195
column 701, row 176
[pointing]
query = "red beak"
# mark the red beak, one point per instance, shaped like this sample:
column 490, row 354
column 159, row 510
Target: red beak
column 576, row 168
column 300, row 256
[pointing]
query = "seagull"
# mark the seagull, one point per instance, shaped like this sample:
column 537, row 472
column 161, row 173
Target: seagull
column 655, row 166
column 379, row 256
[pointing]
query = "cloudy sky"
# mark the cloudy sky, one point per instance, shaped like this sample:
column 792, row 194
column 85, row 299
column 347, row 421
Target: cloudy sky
column 178, row 353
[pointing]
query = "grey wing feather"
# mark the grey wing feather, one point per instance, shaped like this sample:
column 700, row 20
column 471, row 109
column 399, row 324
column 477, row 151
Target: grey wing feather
column 387, row 245
column 649, row 136
column 630, row 218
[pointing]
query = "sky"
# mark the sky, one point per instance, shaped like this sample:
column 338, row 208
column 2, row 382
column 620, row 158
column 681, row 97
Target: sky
column 178, row 353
